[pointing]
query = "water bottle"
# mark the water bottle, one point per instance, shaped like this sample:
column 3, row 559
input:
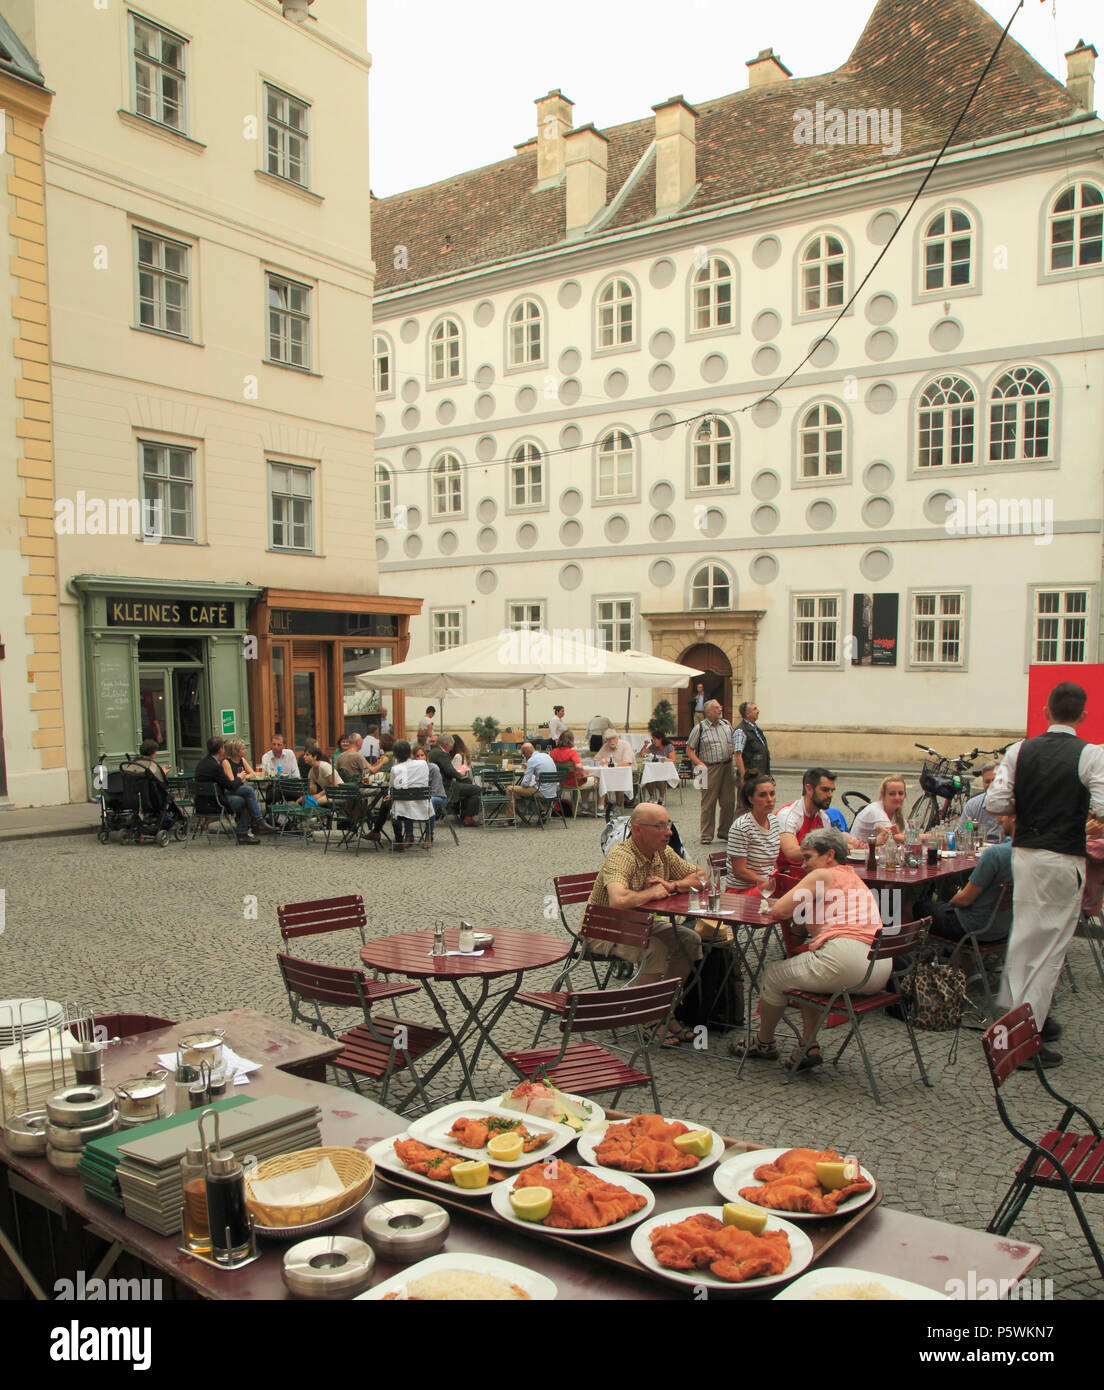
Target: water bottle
column 951, row 841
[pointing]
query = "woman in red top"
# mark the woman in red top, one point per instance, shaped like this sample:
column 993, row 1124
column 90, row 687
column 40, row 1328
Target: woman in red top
column 565, row 754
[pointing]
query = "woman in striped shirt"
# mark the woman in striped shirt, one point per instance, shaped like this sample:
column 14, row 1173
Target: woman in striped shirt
column 753, row 841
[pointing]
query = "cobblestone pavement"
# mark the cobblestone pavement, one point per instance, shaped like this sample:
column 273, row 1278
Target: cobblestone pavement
column 172, row 932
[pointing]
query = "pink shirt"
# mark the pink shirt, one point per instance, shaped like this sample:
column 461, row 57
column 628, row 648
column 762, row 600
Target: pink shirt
column 844, row 907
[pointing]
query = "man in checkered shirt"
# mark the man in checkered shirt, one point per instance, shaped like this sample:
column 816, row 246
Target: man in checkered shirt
column 712, row 745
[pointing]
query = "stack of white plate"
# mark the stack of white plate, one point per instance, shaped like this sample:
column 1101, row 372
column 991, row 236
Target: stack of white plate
column 19, row 1018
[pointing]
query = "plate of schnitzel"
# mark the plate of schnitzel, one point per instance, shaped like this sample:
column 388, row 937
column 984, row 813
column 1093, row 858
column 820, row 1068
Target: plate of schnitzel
column 785, row 1182
column 427, row 1165
column 467, row 1127
column 585, row 1201
column 692, row 1245
column 645, row 1146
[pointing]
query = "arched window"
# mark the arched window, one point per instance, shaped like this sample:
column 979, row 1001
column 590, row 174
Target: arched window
column 714, row 295
column 448, row 486
column 1076, row 228
column 616, row 314
column 823, row 273
column 711, row 587
column 616, row 465
column 948, row 250
column 381, row 357
column 947, row 409
column 1019, row 416
column 714, row 454
column 384, row 494
column 822, row 442
column 444, row 351
column 527, row 476
column 526, row 333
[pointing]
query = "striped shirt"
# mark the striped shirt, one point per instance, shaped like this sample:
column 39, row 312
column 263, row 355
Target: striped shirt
column 757, row 845
column 713, row 743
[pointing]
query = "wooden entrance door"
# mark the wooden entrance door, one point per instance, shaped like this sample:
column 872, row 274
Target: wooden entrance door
column 716, row 677
column 310, row 695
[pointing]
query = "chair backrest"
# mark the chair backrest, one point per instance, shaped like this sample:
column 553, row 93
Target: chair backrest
column 128, row 1025
column 784, row 882
column 1011, row 1041
column 548, row 779
column 718, row 861
column 319, row 915
column 324, row 984
column 208, row 794
column 573, row 888
column 410, row 794
column 909, row 937
column 860, row 799
column 289, row 788
column 635, row 1006
column 623, row 926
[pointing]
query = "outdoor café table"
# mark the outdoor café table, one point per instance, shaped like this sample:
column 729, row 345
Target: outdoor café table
column 659, row 772
column 513, row 953
column 926, row 876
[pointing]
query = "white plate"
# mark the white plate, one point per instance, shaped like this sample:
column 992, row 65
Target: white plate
column 588, row 1145
column 388, row 1161
column 739, row 1172
column 801, row 1251
column 537, row 1286
column 802, row 1289
column 597, row 1114
column 434, row 1129
column 500, row 1200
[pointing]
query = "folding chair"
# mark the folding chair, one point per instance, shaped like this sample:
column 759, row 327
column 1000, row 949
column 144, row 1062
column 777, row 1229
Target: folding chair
column 452, row 803
column 544, row 808
column 346, row 806
column 318, row 916
column 494, row 804
column 575, row 794
column 860, row 800
column 400, row 795
column 290, row 815
column 855, row 1006
column 378, row 1047
column 1061, row 1160
column 586, row 1068
column 1091, row 929
column 571, row 889
column 224, row 820
column 980, row 951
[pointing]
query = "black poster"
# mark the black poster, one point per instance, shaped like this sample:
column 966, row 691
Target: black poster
column 874, row 625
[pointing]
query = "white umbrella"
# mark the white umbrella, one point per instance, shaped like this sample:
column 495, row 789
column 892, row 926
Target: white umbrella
column 525, row 661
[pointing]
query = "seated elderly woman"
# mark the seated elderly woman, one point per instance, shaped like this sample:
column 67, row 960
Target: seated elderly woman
column 835, row 908
column 408, row 774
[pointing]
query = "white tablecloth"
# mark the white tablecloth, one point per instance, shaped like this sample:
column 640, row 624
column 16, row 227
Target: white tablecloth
column 659, row 772
column 615, row 779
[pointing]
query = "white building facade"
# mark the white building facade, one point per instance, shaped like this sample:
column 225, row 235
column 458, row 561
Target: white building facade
column 595, row 412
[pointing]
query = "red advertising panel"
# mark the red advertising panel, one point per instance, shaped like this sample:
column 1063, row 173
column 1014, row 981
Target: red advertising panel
column 1041, row 680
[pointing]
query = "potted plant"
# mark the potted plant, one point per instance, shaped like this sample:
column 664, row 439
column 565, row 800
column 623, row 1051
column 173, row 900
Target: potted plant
column 663, row 719
column 486, row 731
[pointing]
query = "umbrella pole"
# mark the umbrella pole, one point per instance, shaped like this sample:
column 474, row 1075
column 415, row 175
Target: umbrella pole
column 628, row 706
column 524, row 714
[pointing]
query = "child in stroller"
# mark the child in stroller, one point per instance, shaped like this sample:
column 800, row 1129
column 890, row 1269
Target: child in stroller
column 136, row 800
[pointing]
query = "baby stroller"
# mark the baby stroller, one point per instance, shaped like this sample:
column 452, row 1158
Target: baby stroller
column 140, row 806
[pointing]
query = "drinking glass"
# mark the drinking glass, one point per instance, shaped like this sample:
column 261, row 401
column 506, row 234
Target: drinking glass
column 765, row 890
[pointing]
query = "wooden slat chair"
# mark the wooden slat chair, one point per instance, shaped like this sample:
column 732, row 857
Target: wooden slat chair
column 225, row 822
column 128, row 1025
column 1062, row 1160
column 320, row 916
column 586, row 1068
column 980, row 951
column 620, row 926
column 399, row 795
column 718, row 862
column 572, row 889
column 855, row 1007
column 380, row 1046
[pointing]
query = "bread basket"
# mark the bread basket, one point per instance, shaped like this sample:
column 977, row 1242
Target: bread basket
column 355, row 1169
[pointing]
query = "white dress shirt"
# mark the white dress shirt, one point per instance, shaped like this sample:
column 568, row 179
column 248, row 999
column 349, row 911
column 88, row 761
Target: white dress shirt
column 556, row 727
column 1001, row 798
column 287, row 765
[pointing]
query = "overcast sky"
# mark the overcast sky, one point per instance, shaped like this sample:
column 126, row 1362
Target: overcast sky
column 453, row 84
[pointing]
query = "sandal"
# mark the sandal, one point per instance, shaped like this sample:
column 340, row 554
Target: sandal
column 811, row 1059
column 672, row 1039
column 757, row 1050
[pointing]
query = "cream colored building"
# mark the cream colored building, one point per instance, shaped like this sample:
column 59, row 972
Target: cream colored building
column 211, row 280
column 596, row 411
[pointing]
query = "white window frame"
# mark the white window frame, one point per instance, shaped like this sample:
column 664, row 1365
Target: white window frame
column 822, row 429
column 275, row 280
column 1025, row 413
column 705, row 298
column 524, row 331
column 531, row 620
column 713, row 568
column 610, row 316
column 446, row 624
column 290, row 497
column 446, row 351
column 162, row 276
column 162, row 482
column 447, row 468
column 617, row 619
column 384, row 494
column 617, row 495
column 821, row 618
column 722, row 434
column 1064, row 615
column 940, row 624
column 945, row 241
column 1077, row 215
column 285, row 134
column 526, row 465
column 383, row 350
column 825, row 289
column 951, row 425
column 157, row 93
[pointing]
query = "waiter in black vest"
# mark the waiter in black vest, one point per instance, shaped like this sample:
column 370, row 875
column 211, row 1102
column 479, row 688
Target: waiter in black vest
column 754, row 744
column 1050, row 782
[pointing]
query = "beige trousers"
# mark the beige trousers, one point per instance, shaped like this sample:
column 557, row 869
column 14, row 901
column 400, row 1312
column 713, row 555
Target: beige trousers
column 720, row 788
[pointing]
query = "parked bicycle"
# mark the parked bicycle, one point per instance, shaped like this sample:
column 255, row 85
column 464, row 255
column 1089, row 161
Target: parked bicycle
column 945, row 785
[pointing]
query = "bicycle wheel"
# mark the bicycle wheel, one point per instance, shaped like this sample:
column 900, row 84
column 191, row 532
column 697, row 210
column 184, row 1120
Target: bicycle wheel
column 924, row 812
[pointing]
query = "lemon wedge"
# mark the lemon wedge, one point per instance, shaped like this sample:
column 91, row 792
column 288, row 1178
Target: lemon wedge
column 744, row 1217
column 531, row 1203
column 698, row 1142
column 477, row 1173
column 833, row 1175
column 504, row 1148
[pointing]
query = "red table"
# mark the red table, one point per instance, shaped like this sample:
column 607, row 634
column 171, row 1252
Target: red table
column 513, row 953
column 924, row 877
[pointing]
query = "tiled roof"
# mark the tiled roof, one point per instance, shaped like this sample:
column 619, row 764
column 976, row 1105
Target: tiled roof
column 919, row 58
column 15, row 57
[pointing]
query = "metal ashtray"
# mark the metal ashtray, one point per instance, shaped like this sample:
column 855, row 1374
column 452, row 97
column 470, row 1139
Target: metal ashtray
column 73, row 1139
column 26, row 1134
column 64, row 1160
column 483, row 940
column 329, row 1267
column 401, row 1232
column 74, row 1106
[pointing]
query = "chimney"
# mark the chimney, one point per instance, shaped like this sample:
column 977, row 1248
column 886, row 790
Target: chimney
column 296, row 10
column 767, row 68
column 553, row 123
column 1080, row 62
column 676, row 153
column 586, row 151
